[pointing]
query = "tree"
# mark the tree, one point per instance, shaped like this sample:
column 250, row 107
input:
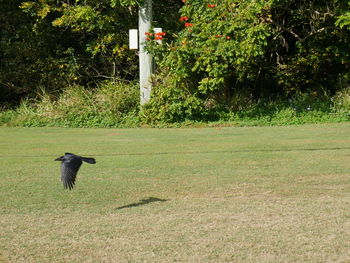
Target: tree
column 53, row 44
column 100, row 31
column 263, row 48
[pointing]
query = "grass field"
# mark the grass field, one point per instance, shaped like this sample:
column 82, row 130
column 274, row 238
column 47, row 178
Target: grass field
column 263, row 194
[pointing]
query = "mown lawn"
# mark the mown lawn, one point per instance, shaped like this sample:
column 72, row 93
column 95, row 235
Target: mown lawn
column 261, row 194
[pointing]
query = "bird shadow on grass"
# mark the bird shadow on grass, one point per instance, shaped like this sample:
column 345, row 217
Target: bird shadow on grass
column 143, row 202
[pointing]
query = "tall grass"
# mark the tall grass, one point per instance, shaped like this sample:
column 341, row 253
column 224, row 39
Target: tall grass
column 301, row 109
column 110, row 105
column 117, row 105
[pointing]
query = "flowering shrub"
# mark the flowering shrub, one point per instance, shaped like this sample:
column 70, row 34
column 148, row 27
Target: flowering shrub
column 262, row 47
column 219, row 43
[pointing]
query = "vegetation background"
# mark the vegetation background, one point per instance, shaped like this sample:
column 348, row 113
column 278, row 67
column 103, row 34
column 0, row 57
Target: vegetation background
column 247, row 62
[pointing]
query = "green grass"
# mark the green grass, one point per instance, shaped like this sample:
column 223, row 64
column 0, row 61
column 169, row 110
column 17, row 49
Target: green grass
column 259, row 194
column 116, row 105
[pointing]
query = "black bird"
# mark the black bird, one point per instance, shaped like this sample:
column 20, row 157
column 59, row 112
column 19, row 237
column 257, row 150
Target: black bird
column 70, row 166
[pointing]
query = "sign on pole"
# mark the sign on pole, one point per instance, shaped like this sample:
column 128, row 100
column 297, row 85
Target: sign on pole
column 133, row 39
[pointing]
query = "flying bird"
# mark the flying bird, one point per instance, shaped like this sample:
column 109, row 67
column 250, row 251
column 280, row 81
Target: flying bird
column 70, row 164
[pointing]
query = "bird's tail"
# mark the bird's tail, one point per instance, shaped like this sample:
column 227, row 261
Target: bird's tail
column 88, row 160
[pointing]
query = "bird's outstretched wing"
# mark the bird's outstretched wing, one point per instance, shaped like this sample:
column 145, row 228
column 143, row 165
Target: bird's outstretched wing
column 88, row 160
column 69, row 170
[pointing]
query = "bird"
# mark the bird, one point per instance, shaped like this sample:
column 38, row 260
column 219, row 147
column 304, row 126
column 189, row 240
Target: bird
column 70, row 164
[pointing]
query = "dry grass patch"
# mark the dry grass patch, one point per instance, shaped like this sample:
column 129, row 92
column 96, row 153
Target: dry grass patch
column 238, row 229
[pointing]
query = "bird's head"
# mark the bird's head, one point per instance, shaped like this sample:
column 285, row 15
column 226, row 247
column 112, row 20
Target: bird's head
column 60, row 159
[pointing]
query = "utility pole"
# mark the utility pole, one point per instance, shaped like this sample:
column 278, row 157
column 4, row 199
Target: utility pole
column 145, row 59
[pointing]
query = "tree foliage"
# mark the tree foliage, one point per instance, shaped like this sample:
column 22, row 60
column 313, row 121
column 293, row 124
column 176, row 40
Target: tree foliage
column 344, row 18
column 263, row 48
column 54, row 44
column 212, row 49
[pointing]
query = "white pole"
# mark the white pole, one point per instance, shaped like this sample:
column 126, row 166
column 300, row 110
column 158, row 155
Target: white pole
column 145, row 18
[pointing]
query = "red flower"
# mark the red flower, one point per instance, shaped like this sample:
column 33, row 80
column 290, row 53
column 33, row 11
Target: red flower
column 160, row 34
column 228, row 37
column 211, row 6
column 157, row 36
column 188, row 24
column 184, row 18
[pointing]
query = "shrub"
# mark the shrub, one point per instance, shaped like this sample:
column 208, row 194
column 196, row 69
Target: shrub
column 262, row 47
column 171, row 103
column 116, row 105
column 111, row 105
column 341, row 101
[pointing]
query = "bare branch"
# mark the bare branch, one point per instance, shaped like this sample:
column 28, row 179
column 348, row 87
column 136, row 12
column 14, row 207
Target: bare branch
column 290, row 31
column 269, row 20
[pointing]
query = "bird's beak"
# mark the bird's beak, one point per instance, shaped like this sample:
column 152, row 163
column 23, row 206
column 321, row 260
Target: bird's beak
column 59, row 159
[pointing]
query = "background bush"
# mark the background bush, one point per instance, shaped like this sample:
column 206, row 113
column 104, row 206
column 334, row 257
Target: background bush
column 67, row 63
column 111, row 105
column 264, row 49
